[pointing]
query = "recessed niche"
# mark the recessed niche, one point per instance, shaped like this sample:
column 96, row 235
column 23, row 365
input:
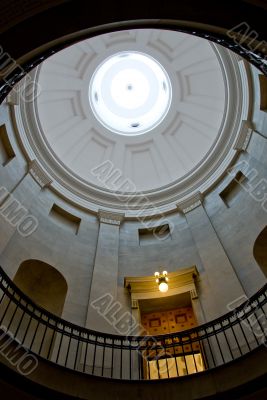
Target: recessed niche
column 263, row 92
column 154, row 234
column 231, row 191
column 65, row 219
column 6, row 151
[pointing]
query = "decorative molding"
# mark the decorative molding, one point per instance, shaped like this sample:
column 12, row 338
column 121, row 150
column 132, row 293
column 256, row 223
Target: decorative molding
column 145, row 287
column 110, row 218
column 12, row 98
column 190, row 203
column 135, row 304
column 244, row 136
column 193, row 294
column 39, row 174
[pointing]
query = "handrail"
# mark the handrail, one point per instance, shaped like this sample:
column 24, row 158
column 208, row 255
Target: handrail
column 133, row 357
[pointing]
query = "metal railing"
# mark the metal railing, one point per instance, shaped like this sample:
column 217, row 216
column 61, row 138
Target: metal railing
column 132, row 357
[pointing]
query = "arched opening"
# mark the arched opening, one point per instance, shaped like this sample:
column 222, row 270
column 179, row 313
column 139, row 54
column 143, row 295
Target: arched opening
column 43, row 284
column 260, row 250
column 47, row 288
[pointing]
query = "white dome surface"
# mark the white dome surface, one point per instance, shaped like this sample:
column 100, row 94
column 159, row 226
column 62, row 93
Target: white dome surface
column 158, row 157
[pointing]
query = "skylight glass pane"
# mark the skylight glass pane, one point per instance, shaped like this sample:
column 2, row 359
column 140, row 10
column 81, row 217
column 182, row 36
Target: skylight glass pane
column 130, row 93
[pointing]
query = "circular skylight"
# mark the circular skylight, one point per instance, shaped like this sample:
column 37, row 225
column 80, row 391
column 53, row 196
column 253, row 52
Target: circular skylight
column 130, row 93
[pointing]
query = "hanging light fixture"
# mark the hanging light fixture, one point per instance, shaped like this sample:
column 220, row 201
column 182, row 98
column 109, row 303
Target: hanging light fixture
column 162, row 279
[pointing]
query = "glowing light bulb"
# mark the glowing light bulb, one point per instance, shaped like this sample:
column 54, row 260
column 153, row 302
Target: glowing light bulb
column 163, row 287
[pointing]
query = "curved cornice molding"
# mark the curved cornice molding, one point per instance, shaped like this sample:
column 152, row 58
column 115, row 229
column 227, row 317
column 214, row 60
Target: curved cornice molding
column 165, row 198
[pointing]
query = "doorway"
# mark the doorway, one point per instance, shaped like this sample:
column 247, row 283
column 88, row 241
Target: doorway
column 171, row 358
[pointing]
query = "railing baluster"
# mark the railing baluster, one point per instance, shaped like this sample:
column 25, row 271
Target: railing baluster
column 35, row 333
column 218, row 343
column 157, row 359
column 19, row 325
column 51, row 343
column 2, row 297
column 184, row 355
column 252, row 330
column 262, row 310
column 166, row 360
column 11, row 320
column 85, row 356
column 259, row 321
column 174, row 355
column 121, row 361
column 93, row 369
column 139, row 357
column 77, row 351
column 68, row 351
column 3, row 317
column 112, row 358
column 27, row 329
column 193, row 354
column 237, row 342
column 103, row 357
column 42, row 342
column 5, row 289
column 211, row 352
column 60, row 344
column 229, row 347
column 147, row 359
column 130, row 358
column 264, row 313
column 245, row 336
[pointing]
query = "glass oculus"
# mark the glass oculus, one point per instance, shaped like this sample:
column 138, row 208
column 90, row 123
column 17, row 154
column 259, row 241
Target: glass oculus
column 130, row 93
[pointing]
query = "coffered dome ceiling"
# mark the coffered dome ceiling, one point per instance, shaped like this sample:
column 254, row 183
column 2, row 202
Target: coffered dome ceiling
column 162, row 108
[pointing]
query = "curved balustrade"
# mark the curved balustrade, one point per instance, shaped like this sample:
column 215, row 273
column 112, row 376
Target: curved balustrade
column 131, row 357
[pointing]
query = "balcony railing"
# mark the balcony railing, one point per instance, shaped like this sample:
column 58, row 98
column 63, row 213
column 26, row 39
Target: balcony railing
column 131, row 357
